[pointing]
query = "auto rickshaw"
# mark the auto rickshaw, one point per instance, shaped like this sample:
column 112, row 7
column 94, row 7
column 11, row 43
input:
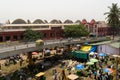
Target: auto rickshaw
column 39, row 42
column 40, row 76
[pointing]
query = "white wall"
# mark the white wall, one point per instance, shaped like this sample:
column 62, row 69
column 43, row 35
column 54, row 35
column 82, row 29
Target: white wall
column 108, row 49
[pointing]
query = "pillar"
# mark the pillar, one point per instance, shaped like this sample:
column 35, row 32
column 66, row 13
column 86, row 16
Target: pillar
column 4, row 39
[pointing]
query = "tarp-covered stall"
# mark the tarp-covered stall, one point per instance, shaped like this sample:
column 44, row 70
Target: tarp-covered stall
column 85, row 48
column 108, row 47
column 89, row 48
column 79, row 54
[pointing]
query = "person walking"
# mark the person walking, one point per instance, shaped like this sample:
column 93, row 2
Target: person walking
column 95, row 75
column 103, row 77
column 59, row 76
column 54, row 71
column 0, row 66
column 21, row 61
column 106, row 76
column 55, row 76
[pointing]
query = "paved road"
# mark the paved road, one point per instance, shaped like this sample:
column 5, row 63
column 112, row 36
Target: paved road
column 10, row 50
column 23, row 46
column 32, row 44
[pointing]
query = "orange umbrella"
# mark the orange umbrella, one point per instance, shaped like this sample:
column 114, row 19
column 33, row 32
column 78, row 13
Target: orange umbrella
column 34, row 53
column 110, row 70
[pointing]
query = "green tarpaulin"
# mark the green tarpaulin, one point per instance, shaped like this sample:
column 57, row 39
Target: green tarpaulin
column 79, row 54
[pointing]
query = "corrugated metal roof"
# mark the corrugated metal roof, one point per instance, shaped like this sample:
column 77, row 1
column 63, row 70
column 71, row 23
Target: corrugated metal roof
column 101, row 43
column 115, row 44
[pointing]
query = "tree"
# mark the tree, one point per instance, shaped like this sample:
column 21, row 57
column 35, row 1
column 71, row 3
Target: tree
column 30, row 35
column 75, row 31
column 113, row 18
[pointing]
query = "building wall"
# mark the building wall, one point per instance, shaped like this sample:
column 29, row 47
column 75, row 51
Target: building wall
column 13, row 32
column 52, row 34
column 99, row 28
column 18, row 35
column 51, row 30
column 108, row 50
column 15, row 35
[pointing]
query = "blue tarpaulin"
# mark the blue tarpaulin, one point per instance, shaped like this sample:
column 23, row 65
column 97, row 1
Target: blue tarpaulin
column 101, row 54
column 79, row 67
column 93, row 49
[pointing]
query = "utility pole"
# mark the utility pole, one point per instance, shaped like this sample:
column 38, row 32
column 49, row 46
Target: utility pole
column 116, row 68
column 119, row 46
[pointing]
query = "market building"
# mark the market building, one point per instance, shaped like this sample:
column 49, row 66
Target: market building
column 14, row 31
column 50, row 30
column 97, row 28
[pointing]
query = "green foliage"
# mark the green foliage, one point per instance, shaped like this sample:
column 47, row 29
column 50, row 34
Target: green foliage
column 75, row 31
column 30, row 35
column 113, row 16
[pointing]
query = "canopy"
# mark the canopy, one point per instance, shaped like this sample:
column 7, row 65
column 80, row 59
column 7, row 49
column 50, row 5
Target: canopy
column 34, row 53
column 108, row 70
column 72, row 77
column 89, row 48
column 86, row 48
column 79, row 67
column 93, row 49
column 40, row 74
column 90, row 63
column 78, row 45
column 39, row 40
column 102, row 54
column 93, row 60
column 115, row 55
column 101, row 43
column 79, row 54
column 47, row 51
column 91, row 53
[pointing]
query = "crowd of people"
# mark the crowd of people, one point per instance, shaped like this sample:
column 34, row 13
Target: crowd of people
column 67, row 65
column 94, row 72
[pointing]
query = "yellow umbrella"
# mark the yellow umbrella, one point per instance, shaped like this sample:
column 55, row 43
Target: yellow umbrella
column 90, row 63
column 93, row 60
column 40, row 74
column 39, row 40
